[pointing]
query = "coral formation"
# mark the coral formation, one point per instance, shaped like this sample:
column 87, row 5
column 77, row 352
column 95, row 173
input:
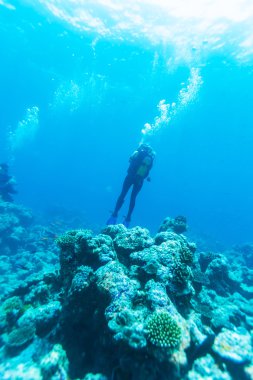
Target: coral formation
column 20, row 337
column 121, row 304
column 66, row 241
column 13, row 223
column 234, row 346
column 55, row 364
column 205, row 368
column 177, row 225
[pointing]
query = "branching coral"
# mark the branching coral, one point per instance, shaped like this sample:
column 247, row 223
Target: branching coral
column 163, row 330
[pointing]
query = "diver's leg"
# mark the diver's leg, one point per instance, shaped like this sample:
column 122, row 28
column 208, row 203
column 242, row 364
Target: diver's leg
column 125, row 188
column 136, row 189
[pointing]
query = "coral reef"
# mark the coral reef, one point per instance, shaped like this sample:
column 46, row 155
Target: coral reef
column 26, row 249
column 122, row 304
column 13, row 223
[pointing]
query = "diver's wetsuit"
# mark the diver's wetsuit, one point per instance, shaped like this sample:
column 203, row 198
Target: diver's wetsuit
column 128, row 182
column 140, row 164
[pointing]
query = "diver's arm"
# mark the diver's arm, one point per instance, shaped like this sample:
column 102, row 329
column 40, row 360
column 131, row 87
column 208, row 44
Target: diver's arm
column 133, row 156
column 147, row 176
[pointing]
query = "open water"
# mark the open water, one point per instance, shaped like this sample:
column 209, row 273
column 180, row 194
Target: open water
column 84, row 82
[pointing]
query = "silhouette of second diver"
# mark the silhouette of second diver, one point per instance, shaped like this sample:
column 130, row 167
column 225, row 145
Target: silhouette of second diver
column 7, row 184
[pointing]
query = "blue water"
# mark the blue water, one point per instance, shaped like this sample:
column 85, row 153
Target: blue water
column 94, row 94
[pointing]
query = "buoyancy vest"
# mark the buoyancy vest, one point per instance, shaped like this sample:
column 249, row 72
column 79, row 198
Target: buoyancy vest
column 144, row 167
column 140, row 164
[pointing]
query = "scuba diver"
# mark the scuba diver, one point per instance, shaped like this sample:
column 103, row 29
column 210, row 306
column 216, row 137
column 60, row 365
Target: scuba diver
column 6, row 184
column 141, row 162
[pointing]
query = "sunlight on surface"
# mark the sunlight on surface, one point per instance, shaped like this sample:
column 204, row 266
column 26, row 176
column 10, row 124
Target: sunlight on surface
column 6, row 4
column 201, row 26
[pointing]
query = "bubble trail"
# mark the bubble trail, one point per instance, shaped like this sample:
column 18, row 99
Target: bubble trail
column 168, row 111
column 26, row 129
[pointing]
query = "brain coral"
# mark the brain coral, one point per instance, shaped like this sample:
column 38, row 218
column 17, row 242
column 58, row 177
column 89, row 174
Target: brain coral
column 163, row 330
